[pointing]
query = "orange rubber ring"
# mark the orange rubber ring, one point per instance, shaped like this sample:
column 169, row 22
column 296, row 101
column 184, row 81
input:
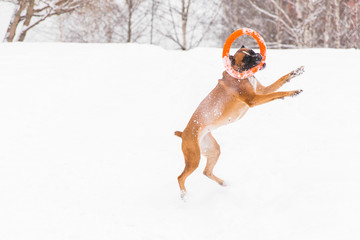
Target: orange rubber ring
column 227, row 63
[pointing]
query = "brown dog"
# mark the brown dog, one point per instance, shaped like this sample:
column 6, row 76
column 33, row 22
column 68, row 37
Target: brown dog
column 226, row 103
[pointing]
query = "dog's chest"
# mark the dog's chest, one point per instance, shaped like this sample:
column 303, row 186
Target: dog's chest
column 238, row 112
column 246, row 86
column 253, row 82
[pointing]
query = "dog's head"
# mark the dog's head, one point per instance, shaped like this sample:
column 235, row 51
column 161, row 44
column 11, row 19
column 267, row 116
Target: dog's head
column 244, row 59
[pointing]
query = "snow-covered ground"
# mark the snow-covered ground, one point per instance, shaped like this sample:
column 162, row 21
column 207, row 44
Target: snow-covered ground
column 87, row 149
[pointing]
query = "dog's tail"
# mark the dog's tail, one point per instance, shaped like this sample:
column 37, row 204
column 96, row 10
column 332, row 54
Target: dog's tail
column 178, row 133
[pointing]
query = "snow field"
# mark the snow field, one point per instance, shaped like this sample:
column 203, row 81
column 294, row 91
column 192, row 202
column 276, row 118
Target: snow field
column 87, row 149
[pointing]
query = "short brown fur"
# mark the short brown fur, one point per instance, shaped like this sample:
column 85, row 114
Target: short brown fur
column 226, row 103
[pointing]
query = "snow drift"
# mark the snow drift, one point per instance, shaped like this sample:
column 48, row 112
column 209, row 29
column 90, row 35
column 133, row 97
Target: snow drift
column 87, row 149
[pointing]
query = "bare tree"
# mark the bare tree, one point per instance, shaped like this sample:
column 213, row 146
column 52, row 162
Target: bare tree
column 94, row 21
column 132, row 7
column 351, row 22
column 186, row 27
column 296, row 26
column 239, row 14
column 341, row 24
column 337, row 23
column 154, row 7
column 298, row 23
column 29, row 13
column 347, row 28
column 186, row 24
column 107, row 21
column 327, row 30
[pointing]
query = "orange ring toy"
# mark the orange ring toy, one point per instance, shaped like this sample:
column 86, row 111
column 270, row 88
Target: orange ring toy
column 227, row 63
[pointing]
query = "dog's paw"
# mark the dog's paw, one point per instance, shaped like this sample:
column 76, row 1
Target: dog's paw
column 223, row 184
column 183, row 196
column 296, row 92
column 297, row 72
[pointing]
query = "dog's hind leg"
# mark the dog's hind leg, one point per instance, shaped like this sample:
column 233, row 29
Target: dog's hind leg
column 211, row 150
column 192, row 159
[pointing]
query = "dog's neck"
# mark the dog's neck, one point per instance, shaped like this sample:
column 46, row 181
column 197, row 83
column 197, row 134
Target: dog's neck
column 251, row 79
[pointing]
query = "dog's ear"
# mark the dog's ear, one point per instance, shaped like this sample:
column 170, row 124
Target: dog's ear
column 243, row 46
column 232, row 60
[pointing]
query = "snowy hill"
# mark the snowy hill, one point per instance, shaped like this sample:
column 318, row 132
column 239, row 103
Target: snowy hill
column 87, row 149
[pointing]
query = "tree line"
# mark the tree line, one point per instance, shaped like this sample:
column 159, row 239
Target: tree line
column 186, row 24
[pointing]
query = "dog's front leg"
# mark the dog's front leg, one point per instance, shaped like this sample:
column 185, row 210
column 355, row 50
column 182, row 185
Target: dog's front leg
column 265, row 98
column 281, row 81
